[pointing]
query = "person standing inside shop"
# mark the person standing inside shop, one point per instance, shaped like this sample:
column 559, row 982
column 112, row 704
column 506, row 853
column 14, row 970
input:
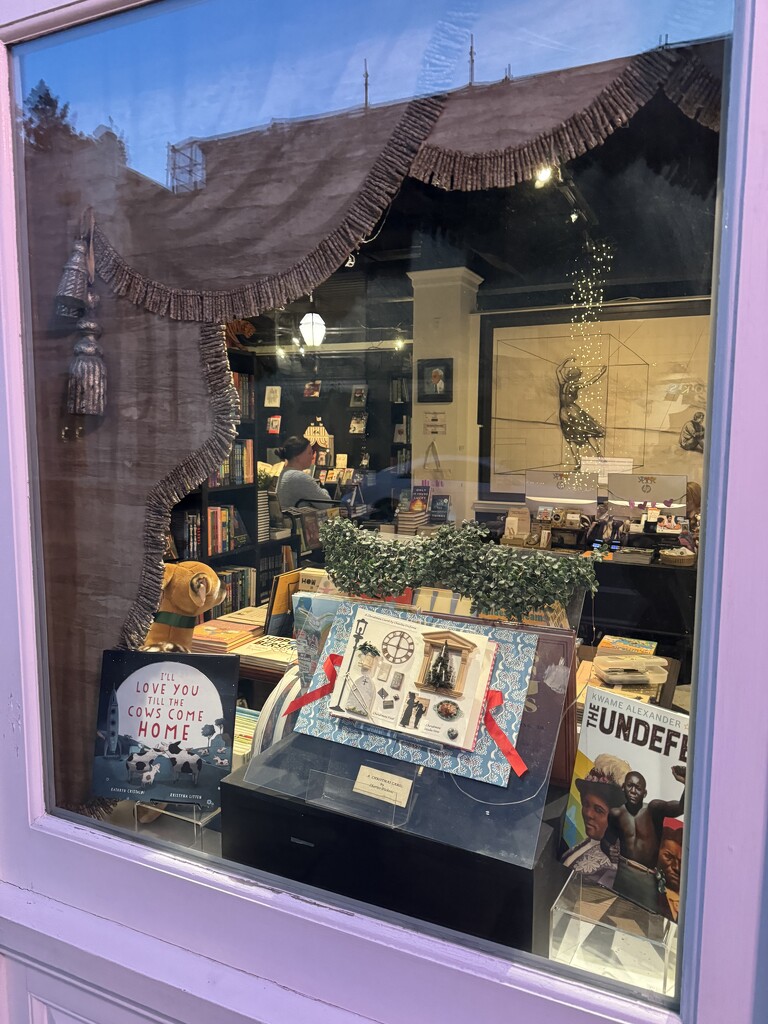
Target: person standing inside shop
column 294, row 485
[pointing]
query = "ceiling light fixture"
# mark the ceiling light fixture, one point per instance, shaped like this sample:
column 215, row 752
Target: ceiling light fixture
column 543, row 177
column 312, row 327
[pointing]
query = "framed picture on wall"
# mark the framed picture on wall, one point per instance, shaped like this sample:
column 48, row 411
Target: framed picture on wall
column 435, row 380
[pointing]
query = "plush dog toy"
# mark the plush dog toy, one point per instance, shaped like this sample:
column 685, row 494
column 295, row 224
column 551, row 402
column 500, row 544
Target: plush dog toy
column 189, row 589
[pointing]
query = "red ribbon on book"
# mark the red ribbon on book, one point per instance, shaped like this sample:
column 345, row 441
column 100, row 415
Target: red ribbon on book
column 330, row 667
column 503, row 742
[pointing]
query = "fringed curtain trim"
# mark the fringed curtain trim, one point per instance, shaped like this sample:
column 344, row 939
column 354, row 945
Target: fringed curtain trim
column 684, row 78
column 696, row 91
column 380, row 187
column 189, row 474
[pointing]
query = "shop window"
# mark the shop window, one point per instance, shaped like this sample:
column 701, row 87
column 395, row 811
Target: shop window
column 294, row 318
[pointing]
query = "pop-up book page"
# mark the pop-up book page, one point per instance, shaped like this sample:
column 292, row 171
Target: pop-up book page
column 429, row 684
column 402, row 639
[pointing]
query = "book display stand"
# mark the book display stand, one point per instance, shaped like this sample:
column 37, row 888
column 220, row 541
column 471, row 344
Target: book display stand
column 594, row 929
column 380, row 792
column 451, row 850
column 192, row 814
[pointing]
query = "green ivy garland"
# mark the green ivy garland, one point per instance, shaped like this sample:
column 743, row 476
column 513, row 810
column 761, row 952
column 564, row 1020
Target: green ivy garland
column 496, row 578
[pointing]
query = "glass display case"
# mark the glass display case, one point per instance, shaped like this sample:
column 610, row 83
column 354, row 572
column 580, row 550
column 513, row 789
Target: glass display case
column 593, row 928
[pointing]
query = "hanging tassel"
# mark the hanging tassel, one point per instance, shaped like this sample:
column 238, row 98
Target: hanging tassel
column 87, row 388
column 73, row 287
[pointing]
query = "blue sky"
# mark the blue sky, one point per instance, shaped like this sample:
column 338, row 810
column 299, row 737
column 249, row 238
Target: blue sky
column 182, row 68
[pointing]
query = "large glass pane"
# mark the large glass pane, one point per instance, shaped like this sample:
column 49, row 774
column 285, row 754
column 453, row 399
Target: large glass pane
column 308, row 290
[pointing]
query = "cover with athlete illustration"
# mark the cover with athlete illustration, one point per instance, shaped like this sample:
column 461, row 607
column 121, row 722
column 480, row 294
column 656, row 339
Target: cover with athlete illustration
column 624, row 820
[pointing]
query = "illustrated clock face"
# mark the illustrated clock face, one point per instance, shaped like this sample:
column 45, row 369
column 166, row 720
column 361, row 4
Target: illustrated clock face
column 397, row 647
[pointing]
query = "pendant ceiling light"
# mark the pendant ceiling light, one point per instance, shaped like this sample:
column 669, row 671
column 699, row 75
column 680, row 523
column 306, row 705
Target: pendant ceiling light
column 312, row 328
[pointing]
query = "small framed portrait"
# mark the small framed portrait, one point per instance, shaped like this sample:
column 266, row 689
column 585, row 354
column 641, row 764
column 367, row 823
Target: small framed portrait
column 435, row 380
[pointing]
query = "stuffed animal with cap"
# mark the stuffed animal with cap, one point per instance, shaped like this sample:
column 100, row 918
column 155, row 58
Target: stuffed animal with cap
column 189, row 589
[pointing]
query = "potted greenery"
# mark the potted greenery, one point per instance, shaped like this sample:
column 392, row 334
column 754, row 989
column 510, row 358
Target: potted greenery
column 504, row 581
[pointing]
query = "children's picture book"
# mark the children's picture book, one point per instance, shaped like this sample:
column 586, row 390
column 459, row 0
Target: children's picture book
column 427, row 681
column 331, row 476
column 358, row 423
column 164, row 726
column 312, row 389
column 624, row 819
column 359, row 396
column 273, row 424
column 341, row 460
column 322, row 476
column 272, row 395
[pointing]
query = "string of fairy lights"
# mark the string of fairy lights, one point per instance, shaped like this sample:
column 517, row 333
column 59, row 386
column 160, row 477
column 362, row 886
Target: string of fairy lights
column 588, row 275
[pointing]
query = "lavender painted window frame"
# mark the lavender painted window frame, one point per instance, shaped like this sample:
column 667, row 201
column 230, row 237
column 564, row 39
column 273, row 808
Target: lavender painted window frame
column 79, row 883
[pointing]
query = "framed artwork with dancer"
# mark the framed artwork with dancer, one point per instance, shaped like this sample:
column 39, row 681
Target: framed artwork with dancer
column 580, row 430
column 628, row 393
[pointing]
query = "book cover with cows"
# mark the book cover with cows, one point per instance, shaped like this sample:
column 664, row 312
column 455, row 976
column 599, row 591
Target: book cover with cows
column 164, row 727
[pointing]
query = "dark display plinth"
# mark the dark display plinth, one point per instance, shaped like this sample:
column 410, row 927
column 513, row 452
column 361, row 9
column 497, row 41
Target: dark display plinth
column 485, row 894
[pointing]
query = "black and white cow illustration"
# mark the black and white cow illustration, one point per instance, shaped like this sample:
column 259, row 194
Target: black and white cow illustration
column 183, row 762
column 148, row 777
column 140, row 761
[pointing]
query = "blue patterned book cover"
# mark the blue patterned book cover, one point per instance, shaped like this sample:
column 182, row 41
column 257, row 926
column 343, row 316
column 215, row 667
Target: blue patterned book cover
column 404, row 655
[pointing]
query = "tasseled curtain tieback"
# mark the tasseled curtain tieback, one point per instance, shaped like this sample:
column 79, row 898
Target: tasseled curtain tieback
column 76, row 299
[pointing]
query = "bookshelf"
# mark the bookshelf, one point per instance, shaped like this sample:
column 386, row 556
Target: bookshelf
column 219, row 522
column 401, row 406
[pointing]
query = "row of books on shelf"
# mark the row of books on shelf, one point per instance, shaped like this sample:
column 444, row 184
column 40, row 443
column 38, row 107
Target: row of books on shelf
column 237, row 468
column 335, row 476
column 240, row 585
column 400, row 389
column 226, row 529
column 191, row 542
column 244, row 386
column 403, row 462
column 271, row 564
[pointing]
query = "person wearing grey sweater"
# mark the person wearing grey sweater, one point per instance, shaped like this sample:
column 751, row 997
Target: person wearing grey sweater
column 294, row 485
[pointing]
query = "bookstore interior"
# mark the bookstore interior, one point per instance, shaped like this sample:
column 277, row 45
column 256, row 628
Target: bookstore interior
column 396, row 544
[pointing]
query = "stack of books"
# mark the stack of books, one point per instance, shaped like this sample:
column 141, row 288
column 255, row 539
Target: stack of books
column 245, row 726
column 219, row 637
column 409, row 523
column 271, row 654
column 413, row 519
column 248, row 618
